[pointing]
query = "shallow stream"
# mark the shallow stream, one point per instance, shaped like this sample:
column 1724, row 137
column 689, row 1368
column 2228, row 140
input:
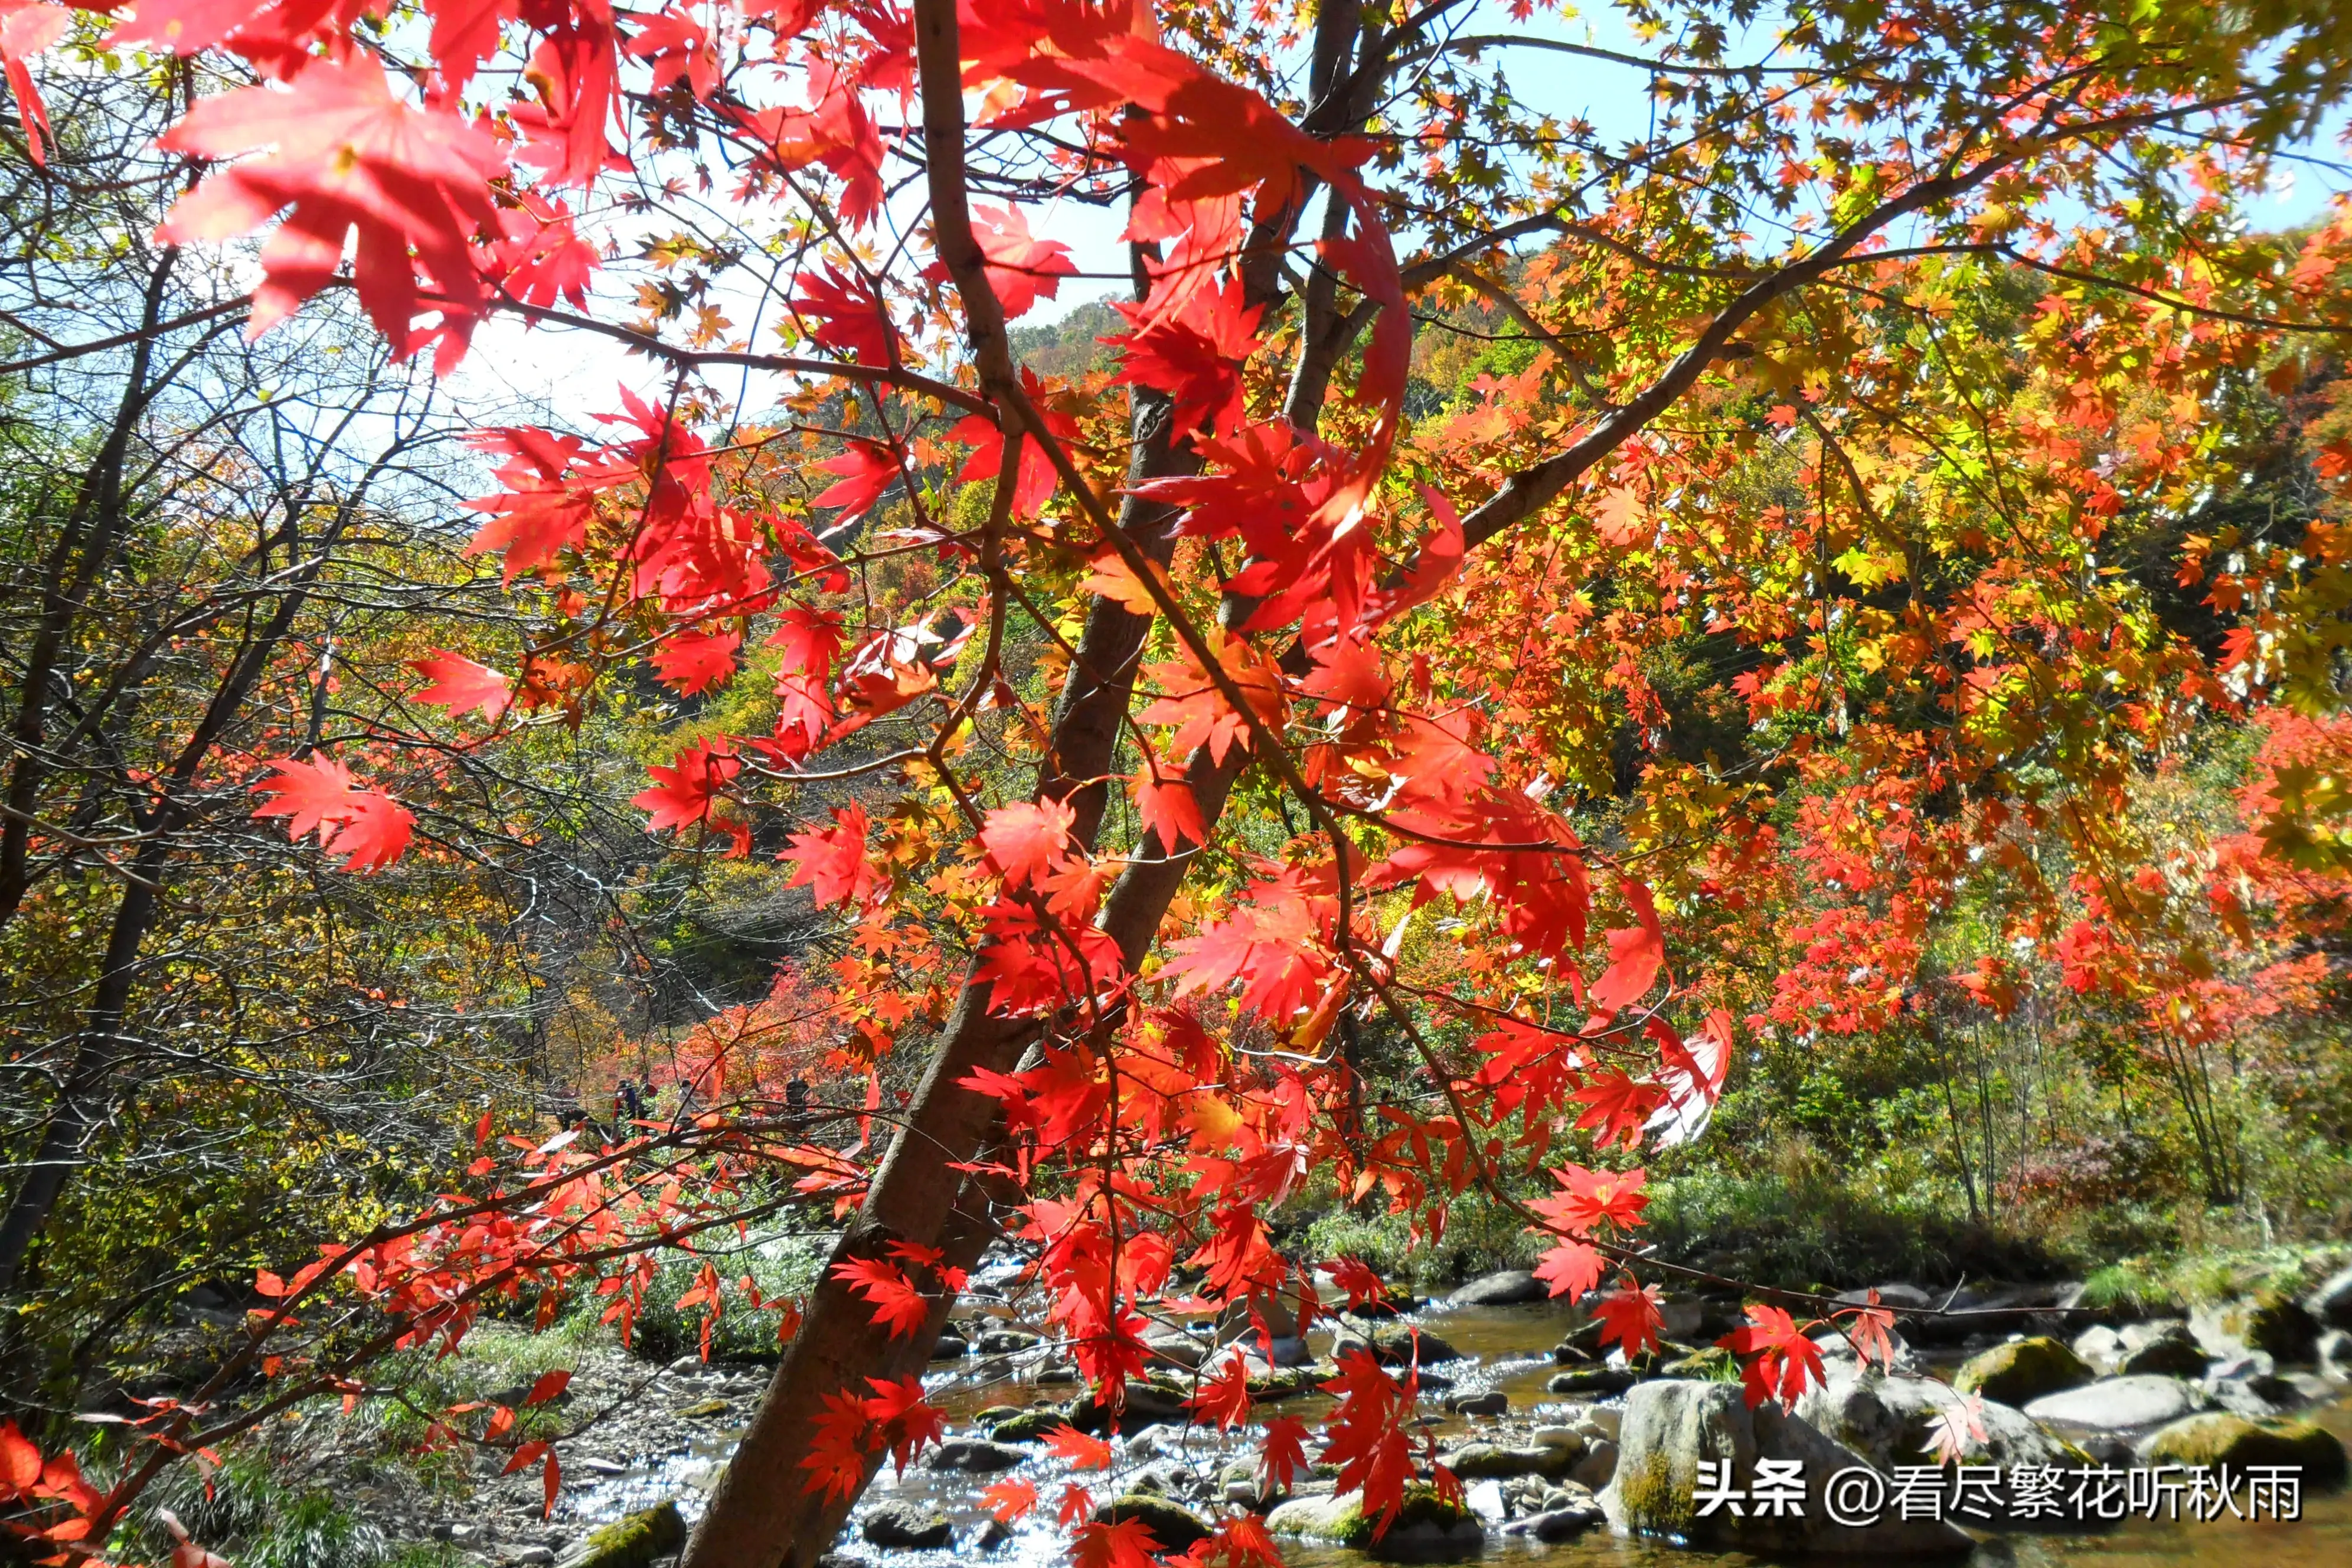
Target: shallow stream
column 1504, row 1348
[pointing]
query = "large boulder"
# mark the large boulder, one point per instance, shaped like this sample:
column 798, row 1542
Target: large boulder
column 2335, row 1355
column 1492, row 1461
column 2251, row 1386
column 1028, row 1426
column 1901, row 1299
column 976, row 1456
column 1593, row 1381
column 1555, row 1525
column 1487, row 1402
column 1886, row 1421
column 2217, row 1438
column 2268, row 1322
column 2331, row 1304
column 1671, row 1425
column 633, row 1541
column 2167, row 1350
column 1426, row 1528
column 1276, row 1311
column 1174, row 1527
column 1392, row 1343
column 1506, row 1288
column 2022, row 1369
column 2101, row 1346
column 2119, row 1403
column 1168, row 1342
column 908, row 1525
column 1145, row 1402
column 1837, row 1349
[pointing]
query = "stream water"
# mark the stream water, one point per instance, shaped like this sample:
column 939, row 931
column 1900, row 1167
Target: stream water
column 1504, row 1348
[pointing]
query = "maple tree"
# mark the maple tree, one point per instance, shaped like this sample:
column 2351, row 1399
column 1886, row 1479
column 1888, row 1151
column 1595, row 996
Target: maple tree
column 1258, row 774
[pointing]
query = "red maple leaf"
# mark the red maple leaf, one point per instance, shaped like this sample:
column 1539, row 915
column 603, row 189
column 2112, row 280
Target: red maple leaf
column 1635, row 955
column 811, row 639
column 1084, row 1453
column 1595, row 1198
column 1354, row 1276
column 1022, row 269
column 1366, row 1437
column 1571, row 1269
column 898, row 1305
column 1242, row 1541
column 677, row 49
column 25, row 31
column 1129, row 1544
column 1282, row 1455
column 1619, row 1105
column 539, row 255
column 345, row 154
column 1777, row 1359
column 1191, row 348
column 460, row 685
column 1164, row 803
column 1630, row 1318
column 1272, row 948
column 848, row 317
column 831, row 861
column 1010, row 1500
column 1225, row 1397
column 366, row 827
column 1035, row 479
column 541, row 511
column 907, row 1425
column 691, row 663
column 1027, row 839
column 1871, row 1332
column 20, row 1461
column 866, row 469
column 684, row 791
column 836, row 1458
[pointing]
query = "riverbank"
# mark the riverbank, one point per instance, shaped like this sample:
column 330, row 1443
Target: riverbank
column 1514, row 1392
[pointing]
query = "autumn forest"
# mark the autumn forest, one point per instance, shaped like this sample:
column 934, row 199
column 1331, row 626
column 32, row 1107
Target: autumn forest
column 795, row 782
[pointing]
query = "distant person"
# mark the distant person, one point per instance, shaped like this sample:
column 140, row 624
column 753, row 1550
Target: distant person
column 796, row 1102
column 626, row 1107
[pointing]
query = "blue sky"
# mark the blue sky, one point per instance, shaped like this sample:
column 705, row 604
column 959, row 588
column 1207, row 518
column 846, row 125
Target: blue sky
column 574, row 376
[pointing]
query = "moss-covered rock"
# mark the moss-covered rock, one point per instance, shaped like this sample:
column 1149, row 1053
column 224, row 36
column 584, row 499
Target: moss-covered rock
column 1145, row 1402
column 2172, row 1352
column 1593, row 1381
column 1426, row 1527
column 1713, row 1364
column 1325, row 1518
column 633, row 1541
column 908, row 1525
column 1283, row 1383
column 1672, row 1427
column 2022, row 1369
column 1393, row 1343
column 1493, row 1461
column 2275, row 1324
column 1174, row 1527
column 2220, row 1439
column 1028, row 1426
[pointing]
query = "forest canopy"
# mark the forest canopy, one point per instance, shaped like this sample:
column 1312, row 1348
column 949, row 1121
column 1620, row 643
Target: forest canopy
column 1191, row 648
